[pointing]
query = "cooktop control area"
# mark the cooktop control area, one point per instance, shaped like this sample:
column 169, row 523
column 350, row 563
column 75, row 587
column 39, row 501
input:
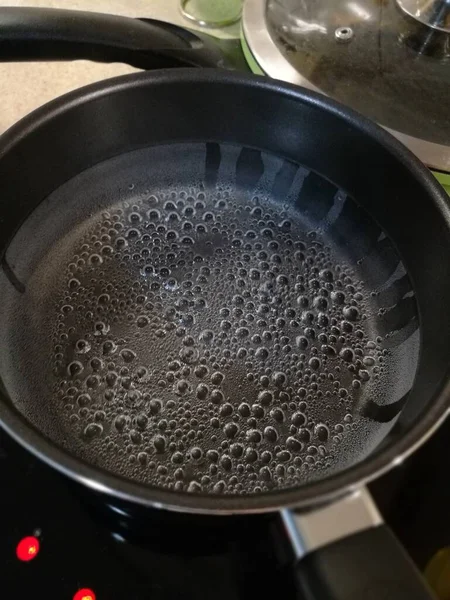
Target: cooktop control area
column 59, row 541
column 48, row 549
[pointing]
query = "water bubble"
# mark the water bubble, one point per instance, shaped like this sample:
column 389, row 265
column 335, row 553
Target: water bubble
column 95, row 259
column 74, row 284
column 109, row 347
column 159, row 443
column 279, row 378
column 120, row 422
column 304, row 435
column 338, row 297
column 364, row 375
column 326, row 275
column 270, row 434
column 202, row 391
column 206, row 336
column 142, row 321
column 216, row 397
column 346, row 326
column 111, row 379
column 301, row 342
column 92, row 381
column 225, row 462
column 283, row 456
column 135, row 436
column 212, row 456
column 265, row 474
column 226, row 410
column 142, row 421
column 347, row 354
column 298, row 419
column 188, row 355
column 262, row 353
column 217, row 378
column 194, row 487
column 257, row 411
column 84, row 400
column 93, row 430
column 351, row 313
column 242, row 332
column 237, row 450
column 253, row 435
column 322, row 432
column 231, row 430
column 309, row 333
column 82, row 346
column 201, row 371
column 101, row 328
column 196, row 454
column 96, row 364
column 219, row 487
column 265, row 397
column 293, row 444
column 75, row 368
column 155, row 406
column 182, row 387
column 277, row 414
column 225, row 325
column 315, row 363
column 244, row 409
column 251, row 455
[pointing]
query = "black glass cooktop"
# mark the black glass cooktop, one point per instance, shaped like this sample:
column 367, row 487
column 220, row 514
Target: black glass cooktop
column 83, row 544
column 78, row 546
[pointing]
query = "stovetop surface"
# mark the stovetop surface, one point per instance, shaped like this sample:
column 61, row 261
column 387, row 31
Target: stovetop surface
column 87, row 542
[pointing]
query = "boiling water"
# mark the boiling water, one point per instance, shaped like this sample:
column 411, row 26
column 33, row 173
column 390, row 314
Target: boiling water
column 199, row 341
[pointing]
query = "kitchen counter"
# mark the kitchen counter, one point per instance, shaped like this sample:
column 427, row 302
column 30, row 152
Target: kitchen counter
column 25, row 86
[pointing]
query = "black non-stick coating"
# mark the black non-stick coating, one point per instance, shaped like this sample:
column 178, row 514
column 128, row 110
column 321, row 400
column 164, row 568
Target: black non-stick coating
column 397, row 223
column 200, row 296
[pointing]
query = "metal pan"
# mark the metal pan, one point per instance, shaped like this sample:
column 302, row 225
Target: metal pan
column 144, row 217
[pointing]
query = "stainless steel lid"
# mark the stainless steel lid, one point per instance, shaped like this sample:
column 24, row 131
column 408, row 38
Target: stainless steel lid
column 434, row 13
column 384, row 58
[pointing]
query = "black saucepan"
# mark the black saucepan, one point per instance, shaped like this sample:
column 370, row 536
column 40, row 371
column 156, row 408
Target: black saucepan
column 220, row 294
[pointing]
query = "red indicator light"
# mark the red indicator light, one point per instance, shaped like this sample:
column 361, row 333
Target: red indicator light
column 27, row 548
column 84, row 594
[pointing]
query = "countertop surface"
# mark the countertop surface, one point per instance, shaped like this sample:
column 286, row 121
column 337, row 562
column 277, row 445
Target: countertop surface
column 25, row 86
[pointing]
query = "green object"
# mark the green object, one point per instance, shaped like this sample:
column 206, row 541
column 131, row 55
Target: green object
column 254, row 67
column 212, row 13
column 437, row 573
column 444, row 180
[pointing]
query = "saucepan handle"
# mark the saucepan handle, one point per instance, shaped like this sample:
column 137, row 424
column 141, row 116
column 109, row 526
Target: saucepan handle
column 47, row 34
column 345, row 552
